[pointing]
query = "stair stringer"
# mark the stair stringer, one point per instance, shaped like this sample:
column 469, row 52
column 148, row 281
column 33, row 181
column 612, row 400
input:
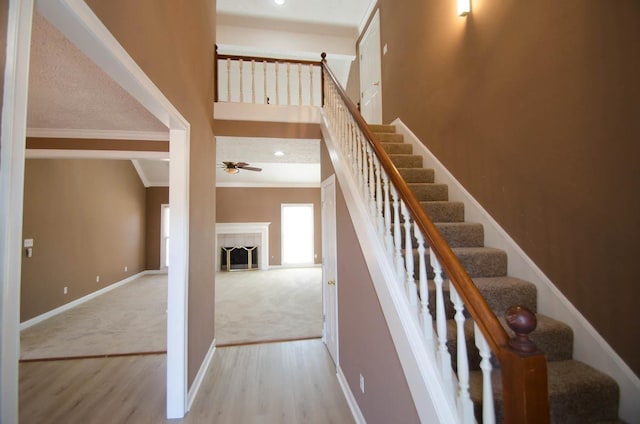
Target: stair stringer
column 433, row 403
column 589, row 346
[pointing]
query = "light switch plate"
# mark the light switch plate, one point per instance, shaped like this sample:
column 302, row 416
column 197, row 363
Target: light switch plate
column 28, row 242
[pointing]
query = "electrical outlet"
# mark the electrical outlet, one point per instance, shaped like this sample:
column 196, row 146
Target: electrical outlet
column 126, row 268
column 65, row 290
column 97, row 278
column 361, row 383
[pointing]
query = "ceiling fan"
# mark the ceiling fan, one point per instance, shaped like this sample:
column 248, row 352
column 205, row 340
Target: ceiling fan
column 235, row 167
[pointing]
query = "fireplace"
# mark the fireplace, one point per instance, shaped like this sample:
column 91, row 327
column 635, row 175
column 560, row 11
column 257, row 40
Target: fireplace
column 239, row 235
column 239, row 258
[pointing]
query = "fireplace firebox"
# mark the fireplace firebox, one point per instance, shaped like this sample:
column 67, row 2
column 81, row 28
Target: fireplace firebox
column 239, row 258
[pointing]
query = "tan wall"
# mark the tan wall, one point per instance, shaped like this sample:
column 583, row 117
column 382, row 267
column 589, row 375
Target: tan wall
column 173, row 43
column 366, row 346
column 94, row 144
column 263, row 205
column 4, row 10
column 533, row 106
column 86, row 218
column 156, row 197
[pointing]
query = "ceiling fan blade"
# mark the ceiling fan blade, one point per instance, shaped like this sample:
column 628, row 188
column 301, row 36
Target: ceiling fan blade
column 241, row 164
column 251, row 168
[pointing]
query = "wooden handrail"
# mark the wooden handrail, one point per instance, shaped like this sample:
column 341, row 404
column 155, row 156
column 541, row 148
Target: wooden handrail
column 524, row 374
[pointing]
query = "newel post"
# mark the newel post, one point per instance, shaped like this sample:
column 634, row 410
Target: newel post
column 323, row 63
column 524, row 372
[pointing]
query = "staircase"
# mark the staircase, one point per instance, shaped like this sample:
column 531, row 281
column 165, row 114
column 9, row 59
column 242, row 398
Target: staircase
column 577, row 392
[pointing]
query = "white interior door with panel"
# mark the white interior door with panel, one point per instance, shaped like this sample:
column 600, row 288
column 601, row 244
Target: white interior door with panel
column 371, row 73
column 329, row 268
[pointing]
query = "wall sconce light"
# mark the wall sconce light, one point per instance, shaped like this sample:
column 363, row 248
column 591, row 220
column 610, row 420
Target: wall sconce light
column 464, row 7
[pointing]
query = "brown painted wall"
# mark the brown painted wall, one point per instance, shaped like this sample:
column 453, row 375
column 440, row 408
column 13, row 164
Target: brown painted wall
column 266, row 129
column 156, row 197
column 4, row 10
column 95, row 144
column 87, row 219
column 366, row 346
column 263, row 205
column 533, row 106
column 173, row 43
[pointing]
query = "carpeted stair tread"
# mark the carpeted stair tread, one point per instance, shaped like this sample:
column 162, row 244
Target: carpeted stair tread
column 578, row 394
column 390, row 138
column 417, row 175
column 444, row 211
column 481, row 261
column 398, row 148
column 406, row 161
column 430, row 191
column 500, row 293
column 462, row 234
column 378, row 128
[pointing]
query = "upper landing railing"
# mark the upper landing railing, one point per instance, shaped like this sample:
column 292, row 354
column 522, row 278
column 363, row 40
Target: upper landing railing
column 263, row 80
column 415, row 249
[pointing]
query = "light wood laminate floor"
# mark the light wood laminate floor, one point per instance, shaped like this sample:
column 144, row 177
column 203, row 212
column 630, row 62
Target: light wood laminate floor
column 290, row 382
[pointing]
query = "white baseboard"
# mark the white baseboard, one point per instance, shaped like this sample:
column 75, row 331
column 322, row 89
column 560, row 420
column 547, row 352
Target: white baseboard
column 589, row 346
column 351, row 400
column 195, row 387
column 35, row 320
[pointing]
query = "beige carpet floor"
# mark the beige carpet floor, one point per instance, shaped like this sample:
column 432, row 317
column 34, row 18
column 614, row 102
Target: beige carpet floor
column 251, row 306
column 129, row 319
column 258, row 306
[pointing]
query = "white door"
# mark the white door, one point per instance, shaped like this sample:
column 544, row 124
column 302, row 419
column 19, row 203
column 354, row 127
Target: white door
column 371, row 72
column 329, row 268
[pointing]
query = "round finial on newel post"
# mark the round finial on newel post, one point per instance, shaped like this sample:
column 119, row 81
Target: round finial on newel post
column 323, row 55
column 522, row 321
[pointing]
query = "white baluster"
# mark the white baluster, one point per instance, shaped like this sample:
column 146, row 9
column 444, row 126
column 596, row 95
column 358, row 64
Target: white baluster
column 365, row 173
column 444, row 357
column 397, row 238
column 465, row 405
column 241, row 81
column 388, row 235
column 371, row 183
column 299, row 84
column 425, row 313
column 277, row 83
column 379, row 214
column 253, row 81
column 288, row 83
column 264, row 71
column 488, row 412
column 228, row 79
column 410, row 282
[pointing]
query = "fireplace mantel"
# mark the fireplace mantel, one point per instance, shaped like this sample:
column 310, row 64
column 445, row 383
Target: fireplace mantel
column 261, row 228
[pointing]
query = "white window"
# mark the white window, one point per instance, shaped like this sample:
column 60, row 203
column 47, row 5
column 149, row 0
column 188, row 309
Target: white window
column 297, row 234
column 164, row 237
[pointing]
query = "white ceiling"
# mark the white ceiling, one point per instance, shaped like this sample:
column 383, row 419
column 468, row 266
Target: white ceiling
column 68, row 91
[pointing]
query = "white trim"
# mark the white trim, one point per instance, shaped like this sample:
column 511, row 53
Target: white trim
column 12, row 143
column 97, row 134
column 82, row 27
column 419, row 364
column 589, row 346
column 93, row 154
column 269, row 185
column 163, row 244
column 140, row 171
column 351, row 400
column 36, row 320
column 266, row 113
column 197, row 382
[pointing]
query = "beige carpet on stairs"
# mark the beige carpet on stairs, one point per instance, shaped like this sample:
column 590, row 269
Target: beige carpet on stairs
column 251, row 306
column 259, row 306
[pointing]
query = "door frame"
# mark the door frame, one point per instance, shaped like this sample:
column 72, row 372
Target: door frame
column 326, row 251
column 76, row 20
column 374, row 24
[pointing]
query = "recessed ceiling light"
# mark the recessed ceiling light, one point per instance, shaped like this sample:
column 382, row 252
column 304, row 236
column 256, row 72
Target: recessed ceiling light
column 278, row 153
column 279, row 2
